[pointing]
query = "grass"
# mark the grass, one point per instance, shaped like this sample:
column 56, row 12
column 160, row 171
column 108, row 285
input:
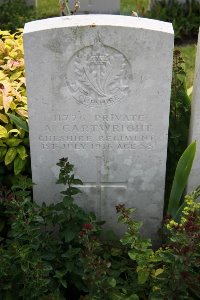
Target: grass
column 189, row 54
column 51, row 8
column 127, row 6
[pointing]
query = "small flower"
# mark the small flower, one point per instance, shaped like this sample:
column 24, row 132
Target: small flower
column 87, row 226
column 81, row 234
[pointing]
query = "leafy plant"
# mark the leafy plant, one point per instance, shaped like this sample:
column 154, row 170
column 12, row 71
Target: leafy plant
column 14, row 14
column 180, row 179
column 14, row 141
column 178, row 121
column 39, row 256
column 172, row 271
column 180, row 256
column 56, row 252
column 185, row 17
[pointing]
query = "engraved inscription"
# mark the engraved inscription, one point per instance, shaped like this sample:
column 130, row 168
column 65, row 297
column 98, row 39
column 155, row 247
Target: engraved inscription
column 98, row 75
column 105, row 132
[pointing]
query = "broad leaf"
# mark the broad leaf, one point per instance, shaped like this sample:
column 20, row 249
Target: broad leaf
column 3, row 132
column 13, row 142
column 3, row 151
column 74, row 191
column 22, row 152
column 3, row 118
column 19, row 122
column 180, row 178
column 10, row 155
column 19, row 165
column 143, row 275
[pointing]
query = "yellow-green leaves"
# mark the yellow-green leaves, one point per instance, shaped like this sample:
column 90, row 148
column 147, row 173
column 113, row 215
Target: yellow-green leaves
column 14, row 148
column 10, row 155
column 3, row 118
column 19, row 165
column 158, row 272
column 22, row 152
column 13, row 142
column 15, row 75
column 3, row 132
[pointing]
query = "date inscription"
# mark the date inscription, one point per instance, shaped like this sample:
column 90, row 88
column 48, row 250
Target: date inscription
column 104, row 132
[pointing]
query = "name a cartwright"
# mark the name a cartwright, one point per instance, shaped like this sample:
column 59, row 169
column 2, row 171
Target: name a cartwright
column 100, row 128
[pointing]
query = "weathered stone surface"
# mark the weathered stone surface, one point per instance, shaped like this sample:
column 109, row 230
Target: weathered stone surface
column 99, row 92
column 194, row 179
column 96, row 6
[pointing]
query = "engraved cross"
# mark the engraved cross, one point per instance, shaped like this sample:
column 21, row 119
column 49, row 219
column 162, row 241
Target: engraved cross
column 100, row 185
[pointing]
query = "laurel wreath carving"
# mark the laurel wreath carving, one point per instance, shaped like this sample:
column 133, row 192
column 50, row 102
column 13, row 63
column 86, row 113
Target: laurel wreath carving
column 104, row 80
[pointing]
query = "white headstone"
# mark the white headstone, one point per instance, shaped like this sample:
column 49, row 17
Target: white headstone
column 96, row 6
column 99, row 93
column 194, row 178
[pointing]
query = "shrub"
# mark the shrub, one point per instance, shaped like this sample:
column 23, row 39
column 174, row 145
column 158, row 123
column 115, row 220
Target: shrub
column 14, row 14
column 14, row 142
column 39, row 257
column 179, row 119
column 184, row 16
column 55, row 252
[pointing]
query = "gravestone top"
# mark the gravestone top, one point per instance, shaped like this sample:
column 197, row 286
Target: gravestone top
column 98, row 20
column 98, row 90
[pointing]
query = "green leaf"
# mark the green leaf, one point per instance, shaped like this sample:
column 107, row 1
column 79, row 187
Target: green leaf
column 15, row 75
column 19, row 122
column 132, row 255
column 22, row 152
column 77, row 181
column 19, row 165
column 49, row 256
column 69, row 236
column 3, row 118
column 13, row 142
column 3, row 132
column 158, row 272
column 3, row 151
column 143, row 275
column 2, row 144
column 180, row 178
column 112, row 282
column 74, row 191
column 10, row 155
column 63, row 282
column 133, row 297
